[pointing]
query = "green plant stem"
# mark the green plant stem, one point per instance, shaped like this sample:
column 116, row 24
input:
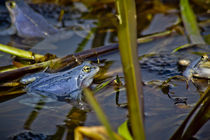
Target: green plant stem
column 177, row 135
column 199, row 120
column 153, row 36
column 190, row 23
column 128, row 52
column 99, row 112
column 10, row 93
column 20, row 53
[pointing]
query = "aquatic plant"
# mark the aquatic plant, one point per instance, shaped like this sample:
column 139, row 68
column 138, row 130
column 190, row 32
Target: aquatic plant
column 129, row 58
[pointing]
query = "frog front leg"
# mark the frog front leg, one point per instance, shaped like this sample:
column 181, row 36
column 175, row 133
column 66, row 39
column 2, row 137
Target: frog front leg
column 76, row 95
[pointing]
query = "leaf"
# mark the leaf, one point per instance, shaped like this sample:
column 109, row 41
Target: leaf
column 182, row 47
column 190, row 23
column 93, row 133
column 124, row 131
column 200, row 118
column 179, row 132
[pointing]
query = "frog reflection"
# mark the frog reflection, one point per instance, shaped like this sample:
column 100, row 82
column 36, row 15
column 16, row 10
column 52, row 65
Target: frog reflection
column 25, row 22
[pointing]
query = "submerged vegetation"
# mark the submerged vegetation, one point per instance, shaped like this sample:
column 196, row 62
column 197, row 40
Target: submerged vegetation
column 126, row 24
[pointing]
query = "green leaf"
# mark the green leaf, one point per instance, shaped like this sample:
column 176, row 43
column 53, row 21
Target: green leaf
column 190, row 23
column 182, row 47
column 101, row 86
column 124, row 131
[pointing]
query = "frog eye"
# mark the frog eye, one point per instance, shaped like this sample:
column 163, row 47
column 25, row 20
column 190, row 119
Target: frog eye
column 204, row 57
column 12, row 4
column 86, row 69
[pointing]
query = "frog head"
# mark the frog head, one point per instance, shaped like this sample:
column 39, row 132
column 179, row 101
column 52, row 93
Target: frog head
column 86, row 73
column 202, row 69
column 14, row 9
column 199, row 68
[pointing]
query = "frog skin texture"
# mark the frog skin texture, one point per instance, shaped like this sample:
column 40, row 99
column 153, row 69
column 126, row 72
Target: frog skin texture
column 62, row 85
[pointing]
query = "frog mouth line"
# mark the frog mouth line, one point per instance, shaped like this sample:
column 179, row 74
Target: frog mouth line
column 88, row 80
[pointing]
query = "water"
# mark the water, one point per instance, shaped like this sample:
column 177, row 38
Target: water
column 58, row 119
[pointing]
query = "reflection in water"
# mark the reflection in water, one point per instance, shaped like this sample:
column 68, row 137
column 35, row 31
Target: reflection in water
column 75, row 117
column 123, row 105
column 85, row 40
column 33, row 115
column 9, row 97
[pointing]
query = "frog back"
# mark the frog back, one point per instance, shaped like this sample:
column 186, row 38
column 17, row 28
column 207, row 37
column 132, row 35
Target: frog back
column 55, row 86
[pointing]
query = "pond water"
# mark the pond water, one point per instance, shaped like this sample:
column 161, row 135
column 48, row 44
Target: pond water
column 90, row 29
